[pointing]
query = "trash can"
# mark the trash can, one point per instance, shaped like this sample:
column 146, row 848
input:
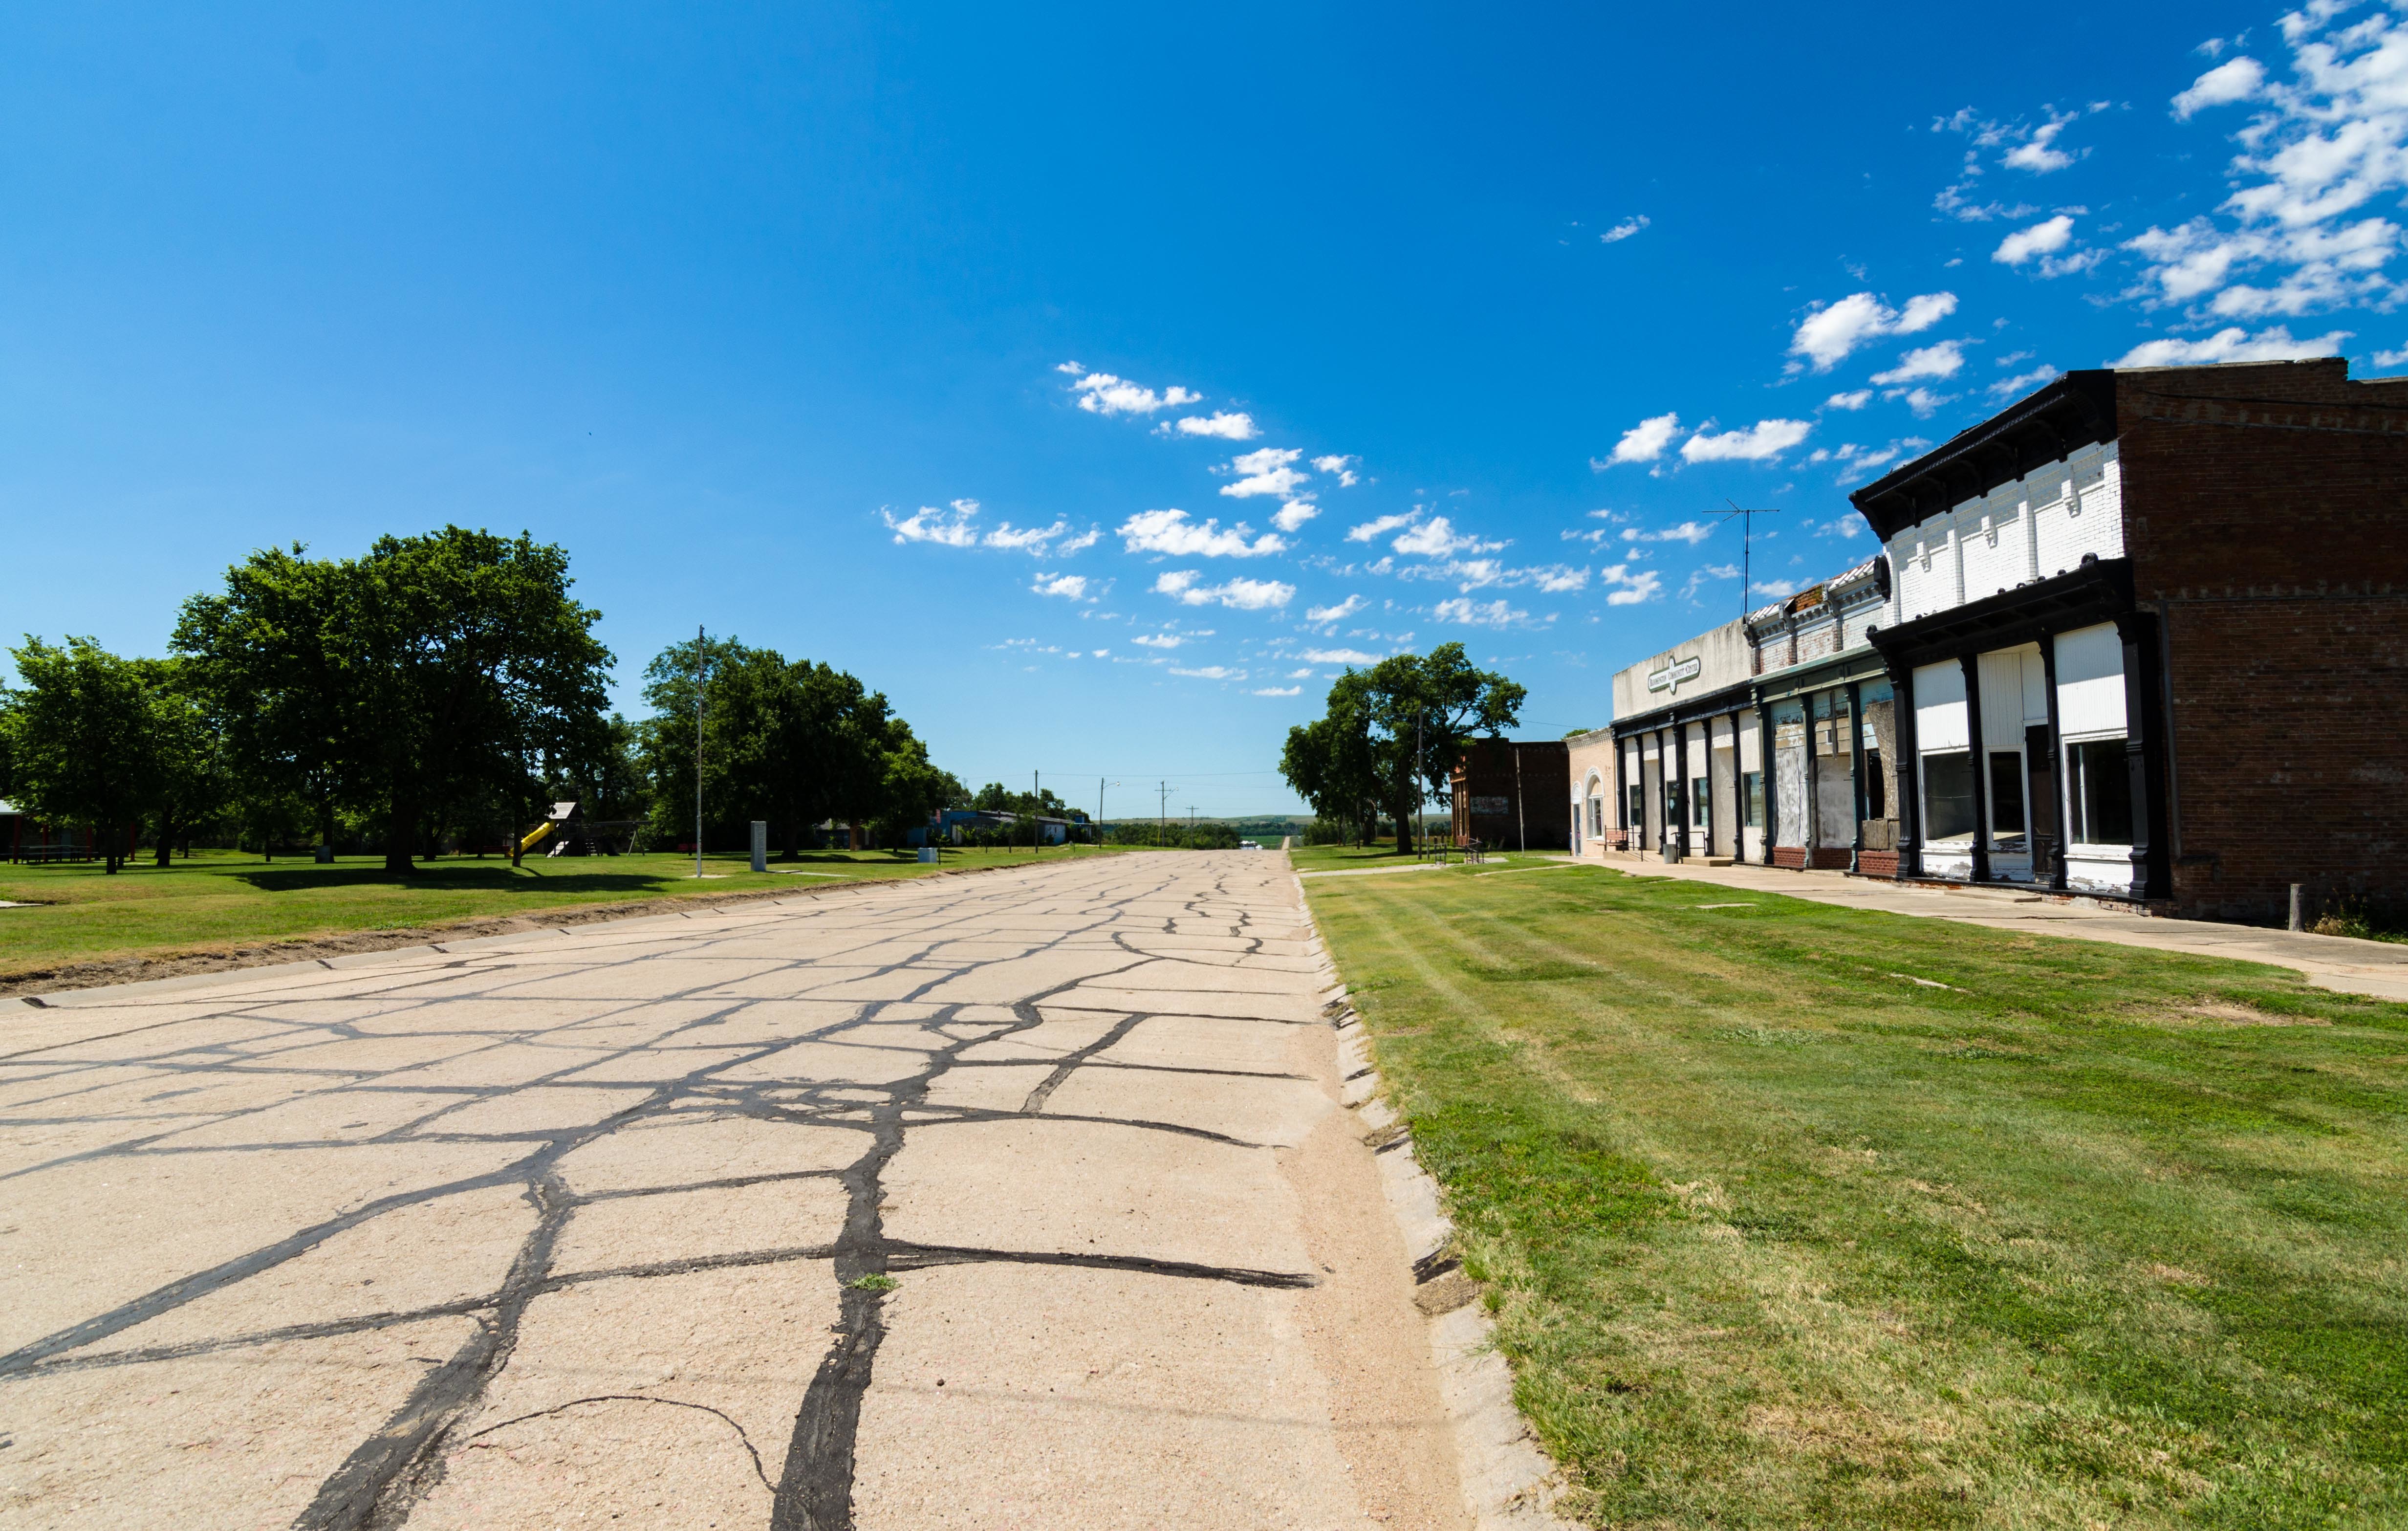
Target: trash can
column 760, row 846
column 928, row 852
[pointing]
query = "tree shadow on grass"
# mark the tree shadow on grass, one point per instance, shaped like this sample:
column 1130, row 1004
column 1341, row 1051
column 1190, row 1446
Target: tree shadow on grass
column 494, row 876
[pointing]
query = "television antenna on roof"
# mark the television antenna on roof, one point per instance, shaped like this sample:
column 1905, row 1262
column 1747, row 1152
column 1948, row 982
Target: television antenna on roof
column 1746, row 517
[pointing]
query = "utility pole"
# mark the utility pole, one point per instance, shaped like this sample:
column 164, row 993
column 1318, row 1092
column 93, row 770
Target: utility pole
column 1418, row 747
column 698, row 672
column 1161, row 812
column 1036, row 808
column 1099, row 815
column 1746, row 538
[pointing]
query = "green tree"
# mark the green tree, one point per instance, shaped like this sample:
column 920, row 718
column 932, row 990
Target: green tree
column 82, row 743
column 1395, row 732
column 268, row 660
column 192, row 782
column 433, row 671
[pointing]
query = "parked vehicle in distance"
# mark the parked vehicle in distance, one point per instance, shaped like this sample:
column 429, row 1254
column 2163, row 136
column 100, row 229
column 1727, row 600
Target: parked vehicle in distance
column 1250, row 845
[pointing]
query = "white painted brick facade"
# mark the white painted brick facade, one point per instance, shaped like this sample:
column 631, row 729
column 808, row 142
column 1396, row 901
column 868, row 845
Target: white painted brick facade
column 2024, row 530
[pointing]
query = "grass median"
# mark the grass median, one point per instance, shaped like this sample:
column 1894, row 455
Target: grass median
column 78, row 914
column 1793, row 1215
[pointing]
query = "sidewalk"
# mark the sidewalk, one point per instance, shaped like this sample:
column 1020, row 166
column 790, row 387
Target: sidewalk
column 2376, row 968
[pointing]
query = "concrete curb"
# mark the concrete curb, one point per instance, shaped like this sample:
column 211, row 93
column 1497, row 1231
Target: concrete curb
column 1510, row 1483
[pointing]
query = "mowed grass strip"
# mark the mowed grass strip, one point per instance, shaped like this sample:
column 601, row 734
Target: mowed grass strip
column 2065, row 1235
column 220, row 899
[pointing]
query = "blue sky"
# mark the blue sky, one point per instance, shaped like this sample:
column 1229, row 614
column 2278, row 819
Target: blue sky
column 1047, row 367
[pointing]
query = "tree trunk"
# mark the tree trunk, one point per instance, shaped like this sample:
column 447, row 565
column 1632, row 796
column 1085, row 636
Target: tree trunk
column 325, row 821
column 793, row 837
column 166, row 840
column 401, row 827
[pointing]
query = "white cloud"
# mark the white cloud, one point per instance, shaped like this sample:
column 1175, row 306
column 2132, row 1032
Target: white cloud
column 1479, row 614
column 1923, row 401
column 1023, row 538
column 950, row 529
column 2039, row 239
column 1690, row 532
column 2238, row 80
column 1161, row 640
column 1624, row 229
column 1381, row 527
column 1080, row 544
column 1339, row 656
column 1339, row 612
column 1645, row 441
column 1559, row 580
column 1844, row 527
column 1101, row 393
column 1294, row 513
column 1936, row 361
column 1338, row 463
column 2234, row 345
column 1777, row 589
column 1633, row 589
column 2391, row 358
column 1069, row 586
column 1760, row 442
column 1229, row 424
column 1171, row 532
column 1236, row 595
column 2318, row 151
column 1073, row 369
column 1212, row 672
column 1827, row 333
column 1278, row 691
column 1856, row 400
column 1437, row 538
column 2039, row 153
column 2006, row 388
column 1265, row 472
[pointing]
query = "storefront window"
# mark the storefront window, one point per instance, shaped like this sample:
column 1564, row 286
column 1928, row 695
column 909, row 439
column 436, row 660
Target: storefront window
column 1876, row 802
column 1635, row 808
column 1697, row 795
column 1948, row 796
column 1754, row 789
column 2102, row 793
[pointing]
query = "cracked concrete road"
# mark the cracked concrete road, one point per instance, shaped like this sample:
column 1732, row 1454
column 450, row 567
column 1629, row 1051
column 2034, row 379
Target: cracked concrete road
column 1015, row 1200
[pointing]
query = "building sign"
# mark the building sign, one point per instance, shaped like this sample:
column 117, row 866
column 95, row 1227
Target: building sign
column 1673, row 674
column 1486, row 808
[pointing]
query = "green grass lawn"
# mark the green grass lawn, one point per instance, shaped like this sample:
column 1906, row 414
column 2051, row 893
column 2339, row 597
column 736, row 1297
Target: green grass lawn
column 1335, row 858
column 2065, row 1235
column 219, row 898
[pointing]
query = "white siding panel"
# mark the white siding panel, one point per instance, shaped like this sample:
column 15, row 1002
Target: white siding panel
column 2090, row 682
column 2003, row 699
column 1697, row 751
column 1750, row 744
column 1939, row 707
column 2035, row 686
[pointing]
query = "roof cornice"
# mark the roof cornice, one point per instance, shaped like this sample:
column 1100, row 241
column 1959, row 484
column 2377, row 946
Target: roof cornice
column 2073, row 411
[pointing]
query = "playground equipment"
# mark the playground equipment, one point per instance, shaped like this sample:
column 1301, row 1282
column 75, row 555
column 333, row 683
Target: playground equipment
column 573, row 834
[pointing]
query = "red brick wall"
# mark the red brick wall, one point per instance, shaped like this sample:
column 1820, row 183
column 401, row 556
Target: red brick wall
column 1487, row 770
column 2266, row 513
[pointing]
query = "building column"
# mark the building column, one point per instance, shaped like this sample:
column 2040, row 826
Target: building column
column 1738, row 794
column 1856, row 777
column 2144, row 753
column 2060, row 811
column 1620, row 797
column 1978, row 747
column 1772, row 783
column 1680, row 794
column 1910, row 776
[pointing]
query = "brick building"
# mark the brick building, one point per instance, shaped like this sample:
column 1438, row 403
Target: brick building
column 2144, row 634
column 2155, row 628
column 1506, row 794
